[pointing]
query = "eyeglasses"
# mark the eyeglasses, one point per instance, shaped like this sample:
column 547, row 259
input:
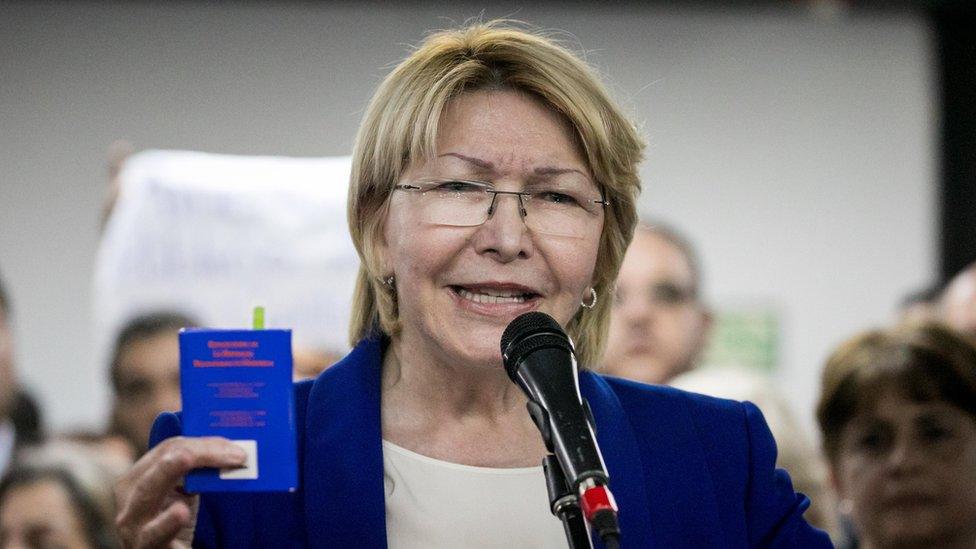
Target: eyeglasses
column 559, row 209
column 662, row 294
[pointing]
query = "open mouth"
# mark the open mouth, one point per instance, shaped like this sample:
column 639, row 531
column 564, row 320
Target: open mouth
column 493, row 296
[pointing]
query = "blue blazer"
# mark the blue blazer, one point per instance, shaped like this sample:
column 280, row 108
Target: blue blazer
column 687, row 470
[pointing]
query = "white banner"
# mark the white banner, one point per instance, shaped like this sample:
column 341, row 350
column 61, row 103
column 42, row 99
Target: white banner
column 214, row 235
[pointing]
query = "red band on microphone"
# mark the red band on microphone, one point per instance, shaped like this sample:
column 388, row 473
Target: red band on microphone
column 596, row 499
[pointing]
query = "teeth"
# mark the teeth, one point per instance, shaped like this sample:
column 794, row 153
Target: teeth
column 488, row 298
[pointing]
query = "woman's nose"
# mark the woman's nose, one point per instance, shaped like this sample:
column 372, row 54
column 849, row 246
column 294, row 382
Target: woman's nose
column 907, row 455
column 504, row 233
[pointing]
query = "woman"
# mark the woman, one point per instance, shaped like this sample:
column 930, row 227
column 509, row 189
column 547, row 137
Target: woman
column 60, row 502
column 898, row 416
column 492, row 176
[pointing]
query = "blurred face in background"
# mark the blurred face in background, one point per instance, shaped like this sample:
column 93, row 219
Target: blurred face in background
column 148, row 375
column 40, row 514
column 908, row 469
column 958, row 304
column 658, row 327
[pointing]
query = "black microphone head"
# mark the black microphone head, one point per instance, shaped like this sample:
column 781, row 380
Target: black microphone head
column 529, row 323
column 516, row 343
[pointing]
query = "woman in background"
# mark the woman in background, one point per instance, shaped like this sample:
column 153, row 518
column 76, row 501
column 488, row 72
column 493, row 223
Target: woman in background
column 898, row 417
column 58, row 495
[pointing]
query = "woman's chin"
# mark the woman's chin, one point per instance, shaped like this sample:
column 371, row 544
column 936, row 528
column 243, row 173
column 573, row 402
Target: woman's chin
column 481, row 357
column 916, row 528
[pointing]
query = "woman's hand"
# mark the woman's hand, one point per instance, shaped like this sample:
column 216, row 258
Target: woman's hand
column 154, row 511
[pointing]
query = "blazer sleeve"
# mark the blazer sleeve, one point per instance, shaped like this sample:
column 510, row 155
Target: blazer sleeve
column 774, row 512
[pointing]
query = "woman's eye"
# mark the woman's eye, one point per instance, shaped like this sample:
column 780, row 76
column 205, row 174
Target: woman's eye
column 935, row 433
column 554, row 197
column 873, row 441
column 457, row 187
column 870, row 441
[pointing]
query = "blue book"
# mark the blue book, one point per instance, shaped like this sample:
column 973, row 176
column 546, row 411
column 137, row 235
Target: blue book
column 237, row 384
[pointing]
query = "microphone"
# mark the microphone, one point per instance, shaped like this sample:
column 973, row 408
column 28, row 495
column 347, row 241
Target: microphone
column 540, row 359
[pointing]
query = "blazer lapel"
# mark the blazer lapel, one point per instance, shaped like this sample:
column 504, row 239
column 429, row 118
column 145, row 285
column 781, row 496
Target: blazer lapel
column 343, row 471
column 621, row 454
column 672, row 490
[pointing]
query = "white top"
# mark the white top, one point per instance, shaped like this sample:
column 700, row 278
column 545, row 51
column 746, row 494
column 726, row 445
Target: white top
column 432, row 503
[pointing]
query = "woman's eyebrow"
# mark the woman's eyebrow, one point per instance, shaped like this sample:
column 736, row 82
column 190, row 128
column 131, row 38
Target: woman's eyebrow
column 541, row 171
column 549, row 171
column 933, row 416
column 483, row 164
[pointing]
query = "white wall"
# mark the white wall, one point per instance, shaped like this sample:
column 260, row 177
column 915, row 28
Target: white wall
column 797, row 151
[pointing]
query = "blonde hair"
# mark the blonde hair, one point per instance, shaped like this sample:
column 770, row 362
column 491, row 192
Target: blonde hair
column 400, row 128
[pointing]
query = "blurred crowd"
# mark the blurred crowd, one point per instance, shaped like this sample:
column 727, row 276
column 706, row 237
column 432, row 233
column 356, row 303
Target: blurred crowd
column 896, row 411
column 896, row 465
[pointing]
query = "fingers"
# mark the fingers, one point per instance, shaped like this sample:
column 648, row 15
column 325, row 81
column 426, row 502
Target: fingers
column 165, row 466
column 202, row 451
column 142, row 492
column 159, row 531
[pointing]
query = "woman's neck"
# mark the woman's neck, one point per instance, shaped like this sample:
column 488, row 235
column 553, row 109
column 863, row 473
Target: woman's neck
column 464, row 413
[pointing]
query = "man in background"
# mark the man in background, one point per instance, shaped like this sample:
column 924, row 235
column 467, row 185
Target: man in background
column 659, row 323
column 145, row 374
column 658, row 331
column 20, row 420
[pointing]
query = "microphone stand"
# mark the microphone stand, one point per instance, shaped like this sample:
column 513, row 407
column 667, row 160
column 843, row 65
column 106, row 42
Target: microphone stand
column 565, row 505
